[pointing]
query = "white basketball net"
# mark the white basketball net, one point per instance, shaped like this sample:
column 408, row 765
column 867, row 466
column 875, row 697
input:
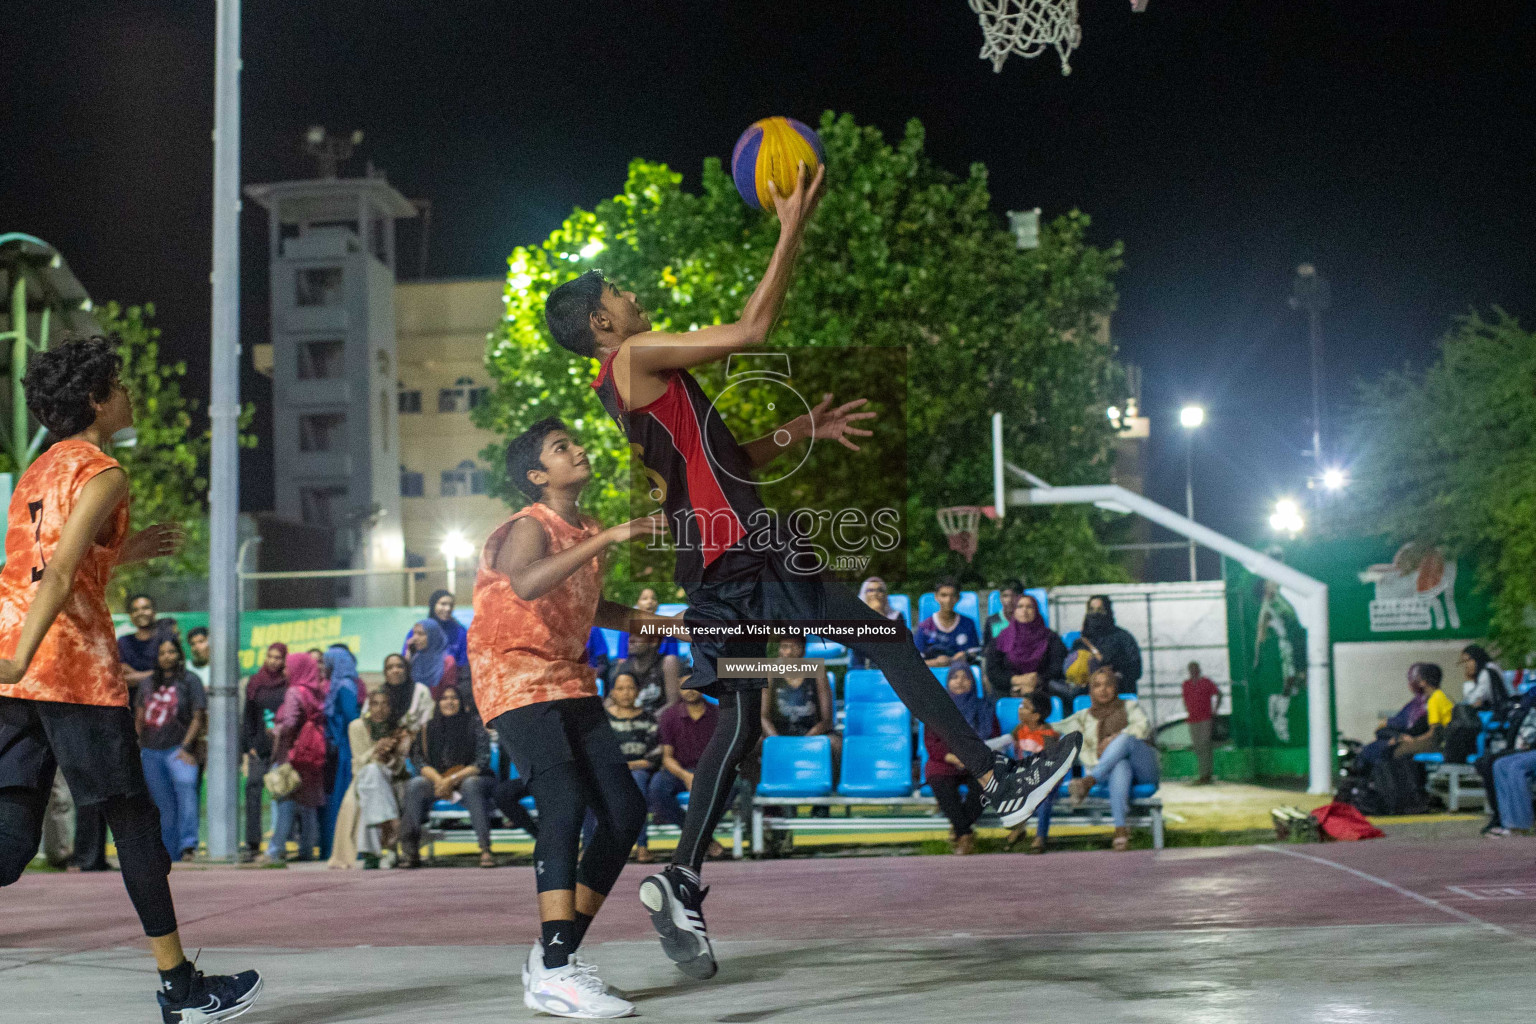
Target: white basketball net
column 1027, row 28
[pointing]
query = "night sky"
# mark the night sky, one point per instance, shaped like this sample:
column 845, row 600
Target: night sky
column 1223, row 141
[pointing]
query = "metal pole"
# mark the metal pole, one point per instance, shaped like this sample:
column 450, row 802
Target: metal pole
column 1189, row 498
column 1315, row 329
column 19, row 432
column 224, row 412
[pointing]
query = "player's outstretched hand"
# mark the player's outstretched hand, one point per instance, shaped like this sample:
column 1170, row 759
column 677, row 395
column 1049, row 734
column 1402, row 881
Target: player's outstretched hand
column 158, row 541
column 10, row 672
column 796, row 208
column 836, row 424
column 645, row 526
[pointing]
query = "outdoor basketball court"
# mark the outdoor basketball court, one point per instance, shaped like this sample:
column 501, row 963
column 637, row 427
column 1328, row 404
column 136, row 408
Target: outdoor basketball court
column 1393, row 930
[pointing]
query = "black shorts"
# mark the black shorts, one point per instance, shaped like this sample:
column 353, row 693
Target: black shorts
column 554, row 732
column 743, row 586
column 96, row 747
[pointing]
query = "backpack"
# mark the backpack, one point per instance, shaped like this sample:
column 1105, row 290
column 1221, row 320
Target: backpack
column 1398, row 782
column 1461, row 734
column 309, row 747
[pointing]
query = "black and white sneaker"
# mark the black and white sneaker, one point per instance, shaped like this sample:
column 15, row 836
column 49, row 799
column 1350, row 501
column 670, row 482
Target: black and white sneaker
column 212, row 997
column 1021, row 786
column 676, row 905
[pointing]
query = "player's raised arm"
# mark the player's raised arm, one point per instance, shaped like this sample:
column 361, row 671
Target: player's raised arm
column 524, row 559
column 656, row 351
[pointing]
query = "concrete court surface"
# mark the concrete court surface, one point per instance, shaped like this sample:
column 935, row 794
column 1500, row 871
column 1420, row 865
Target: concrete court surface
column 1376, row 933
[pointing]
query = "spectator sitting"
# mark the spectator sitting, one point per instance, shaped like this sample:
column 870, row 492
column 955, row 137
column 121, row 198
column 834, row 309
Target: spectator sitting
column 873, row 593
column 1409, row 721
column 684, row 729
column 1027, row 655
column 946, row 773
column 640, row 743
column 1201, row 699
column 453, row 755
column 197, row 643
column 1031, row 736
column 1518, row 735
column 264, row 693
column 1484, row 689
column 303, row 748
column 171, row 714
column 648, row 602
column 946, row 635
column 1512, row 773
column 1008, row 594
column 1437, row 715
column 455, row 637
column 343, row 699
column 369, row 817
column 410, row 702
column 659, row 676
column 427, row 654
column 1111, row 643
column 1115, row 748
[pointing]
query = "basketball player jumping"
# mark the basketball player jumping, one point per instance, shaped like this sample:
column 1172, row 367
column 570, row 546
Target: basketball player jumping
column 735, row 561
column 63, row 700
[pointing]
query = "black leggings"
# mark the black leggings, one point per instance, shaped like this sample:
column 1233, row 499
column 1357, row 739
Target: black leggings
column 135, row 824
column 736, row 734
column 563, row 794
column 962, row 811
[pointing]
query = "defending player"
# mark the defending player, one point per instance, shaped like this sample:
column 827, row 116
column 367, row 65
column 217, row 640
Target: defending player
column 63, row 701
column 735, row 561
column 538, row 592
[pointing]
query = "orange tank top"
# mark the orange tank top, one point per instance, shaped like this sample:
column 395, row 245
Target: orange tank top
column 529, row 652
column 77, row 662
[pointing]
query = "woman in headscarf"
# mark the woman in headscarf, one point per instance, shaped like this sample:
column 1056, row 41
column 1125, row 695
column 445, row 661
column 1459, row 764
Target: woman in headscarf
column 873, row 593
column 299, row 740
column 342, row 703
column 1110, row 643
column 410, row 702
column 264, row 694
column 1027, row 655
column 455, row 636
column 453, row 755
column 369, row 819
column 1116, row 749
column 946, row 773
column 427, row 653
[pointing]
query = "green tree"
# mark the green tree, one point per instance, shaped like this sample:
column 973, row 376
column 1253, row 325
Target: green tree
column 1448, row 457
column 167, row 467
column 906, row 264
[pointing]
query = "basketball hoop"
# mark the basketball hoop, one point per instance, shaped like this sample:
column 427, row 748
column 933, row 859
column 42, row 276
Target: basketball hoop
column 1028, row 27
column 960, row 523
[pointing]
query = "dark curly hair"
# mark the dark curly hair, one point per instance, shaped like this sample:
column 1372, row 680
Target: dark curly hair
column 525, row 454
column 62, row 383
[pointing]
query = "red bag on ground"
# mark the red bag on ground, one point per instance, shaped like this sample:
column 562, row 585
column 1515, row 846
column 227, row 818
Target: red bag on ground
column 1343, row 821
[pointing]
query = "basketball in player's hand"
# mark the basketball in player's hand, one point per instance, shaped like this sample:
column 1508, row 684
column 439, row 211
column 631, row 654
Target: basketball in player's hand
column 771, row 151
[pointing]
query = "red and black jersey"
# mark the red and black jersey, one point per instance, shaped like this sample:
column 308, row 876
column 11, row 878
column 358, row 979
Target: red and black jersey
column 694, row 466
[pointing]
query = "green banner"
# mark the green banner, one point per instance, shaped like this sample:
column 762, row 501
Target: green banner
column 1267, row 652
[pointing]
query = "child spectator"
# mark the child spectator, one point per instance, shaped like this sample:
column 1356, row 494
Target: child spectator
column 946, row 773
column 1031, row 736
column 946, row 635
column 1201, row 699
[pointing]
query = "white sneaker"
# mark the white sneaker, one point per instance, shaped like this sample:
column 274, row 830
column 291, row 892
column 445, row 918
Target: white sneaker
column 574, row 990
column 388, row 859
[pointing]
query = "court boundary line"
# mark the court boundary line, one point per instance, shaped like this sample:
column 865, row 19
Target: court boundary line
column 1428, row 901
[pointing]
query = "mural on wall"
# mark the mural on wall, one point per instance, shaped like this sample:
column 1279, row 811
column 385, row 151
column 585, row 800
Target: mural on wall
column 1277, row 618
column 1267, row 645
column 1415, row 591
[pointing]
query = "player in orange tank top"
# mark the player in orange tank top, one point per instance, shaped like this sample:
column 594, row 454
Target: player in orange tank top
column 63, row 701
column 538, row 593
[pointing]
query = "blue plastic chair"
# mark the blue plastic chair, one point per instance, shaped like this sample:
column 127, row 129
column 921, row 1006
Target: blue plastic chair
column 617, row 642
column 1071, row 638
column 1056, row 714
column 867, row 685
column 1008, row 713
column 796, row 766
column 968, row 605
column 903, row 604
column 868, row 719
column 1432, row 757
column 816, row 647
column 877, row 766
column 1080, row 702
column 995, row 603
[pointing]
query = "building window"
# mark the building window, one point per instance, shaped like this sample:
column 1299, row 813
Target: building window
column 478, row 395
column 322, row 360
column 322, row 432
column 321, row 506
column 479, row 482
column 457, row 398
column 412, row 484
column 318, row 286
column 410, row 402
column 461, row 480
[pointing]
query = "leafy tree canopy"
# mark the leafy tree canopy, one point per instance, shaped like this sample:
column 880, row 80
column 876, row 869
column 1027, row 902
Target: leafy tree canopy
column 1448, row 457
column 904, row 262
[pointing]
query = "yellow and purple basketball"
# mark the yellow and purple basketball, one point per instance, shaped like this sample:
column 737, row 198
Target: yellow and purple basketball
column 772, row 151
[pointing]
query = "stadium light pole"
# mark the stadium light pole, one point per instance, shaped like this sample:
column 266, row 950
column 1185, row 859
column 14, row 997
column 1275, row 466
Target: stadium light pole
column 1190, row 418
column 1309, row 293
column 224, row 468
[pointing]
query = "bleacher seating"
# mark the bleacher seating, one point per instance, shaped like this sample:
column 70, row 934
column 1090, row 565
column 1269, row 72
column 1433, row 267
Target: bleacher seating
column 903, row 604
column 1008, row 713
column 969, row 605
column 1460, row 782
column 1080, row 702
column 816, row 647
column 867, row 685
column 876, row 766
column 867, row 718
column 796, row 766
